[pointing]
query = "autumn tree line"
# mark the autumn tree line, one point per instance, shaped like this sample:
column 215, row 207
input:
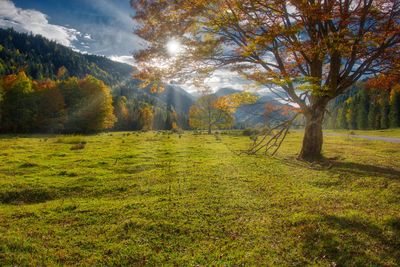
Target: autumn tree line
column 85, row 105
column 135, row 114
column 70, row 105
column 367, row 106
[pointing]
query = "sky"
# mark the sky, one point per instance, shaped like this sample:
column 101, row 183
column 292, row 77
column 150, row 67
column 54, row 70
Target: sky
column 102, row 27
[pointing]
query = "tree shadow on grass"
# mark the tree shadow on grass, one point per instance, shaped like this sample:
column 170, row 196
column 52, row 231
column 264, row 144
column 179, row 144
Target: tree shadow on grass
column 352, row 242
column 365, row 169
column 343, row 167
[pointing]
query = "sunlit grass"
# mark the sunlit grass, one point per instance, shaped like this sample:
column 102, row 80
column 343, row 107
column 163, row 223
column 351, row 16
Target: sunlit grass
column 384, row 133
column 167, row 199
column 74, row 139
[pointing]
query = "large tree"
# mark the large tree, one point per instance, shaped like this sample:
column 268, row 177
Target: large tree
column 309, row 50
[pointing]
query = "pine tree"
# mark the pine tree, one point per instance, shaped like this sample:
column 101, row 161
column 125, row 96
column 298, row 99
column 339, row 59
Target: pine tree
column 342, row 121
column 384, row 103
column 122, row 113
column 331, row 119
column 159, row 118
column 1, row 100
column 169, row 120
column 351, row 113
column 374, row 121
column 362, row 110
column 394, row 113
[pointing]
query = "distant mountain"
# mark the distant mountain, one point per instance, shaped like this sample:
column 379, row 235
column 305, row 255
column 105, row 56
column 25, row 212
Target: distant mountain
column 226, row 91
column 173, row 96
column 178, row 98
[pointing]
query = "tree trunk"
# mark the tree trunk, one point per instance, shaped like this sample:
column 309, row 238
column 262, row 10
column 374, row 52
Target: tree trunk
column 209, row 129
column 313, row 138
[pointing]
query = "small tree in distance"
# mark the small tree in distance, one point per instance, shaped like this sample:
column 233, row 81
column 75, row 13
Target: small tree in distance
column 212, row 112
column 205, row 114
column 146, row 117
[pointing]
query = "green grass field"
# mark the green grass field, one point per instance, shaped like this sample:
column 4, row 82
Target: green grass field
column 384, row 133
column 131, row 199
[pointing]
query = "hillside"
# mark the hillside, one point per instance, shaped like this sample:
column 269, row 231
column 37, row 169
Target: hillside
column 41, row 58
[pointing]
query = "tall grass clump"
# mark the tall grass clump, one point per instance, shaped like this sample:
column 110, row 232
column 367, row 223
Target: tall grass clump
column 75, row 139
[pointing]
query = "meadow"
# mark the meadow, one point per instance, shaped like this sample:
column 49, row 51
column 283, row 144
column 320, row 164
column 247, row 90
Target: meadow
column 134, row 199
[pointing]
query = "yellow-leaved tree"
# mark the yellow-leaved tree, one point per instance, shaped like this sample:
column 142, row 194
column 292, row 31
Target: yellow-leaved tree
column 95, row 111
column 212, row 112
column 146, row 116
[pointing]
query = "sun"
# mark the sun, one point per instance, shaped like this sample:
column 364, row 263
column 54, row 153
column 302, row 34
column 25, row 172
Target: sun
column 174, row 47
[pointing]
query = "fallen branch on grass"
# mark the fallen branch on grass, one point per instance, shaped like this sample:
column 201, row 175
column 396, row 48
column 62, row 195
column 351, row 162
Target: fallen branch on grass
column 270, row 139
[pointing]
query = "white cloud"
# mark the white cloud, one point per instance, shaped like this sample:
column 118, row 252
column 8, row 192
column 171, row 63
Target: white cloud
column 29, row 20
column 87, row 36
column 225, row 78
column 123, row 59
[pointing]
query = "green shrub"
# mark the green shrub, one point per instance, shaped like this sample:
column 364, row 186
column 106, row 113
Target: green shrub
column 177, row 130
column 76, row 139
column 78, row 146
column 250, row 132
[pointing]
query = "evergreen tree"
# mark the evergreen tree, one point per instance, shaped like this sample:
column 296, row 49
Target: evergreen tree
column 342, row 121
column 168, row 119
column 374, row 121
column 1, row 100
column 394, row 114
column 171, row 120
column 331, row 119
column 122, row 113
column 362, row 110
column 159, row 119
column 384, row 104
column 351, row 114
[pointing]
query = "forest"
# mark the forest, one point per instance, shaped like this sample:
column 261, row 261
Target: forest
column 366, row 107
